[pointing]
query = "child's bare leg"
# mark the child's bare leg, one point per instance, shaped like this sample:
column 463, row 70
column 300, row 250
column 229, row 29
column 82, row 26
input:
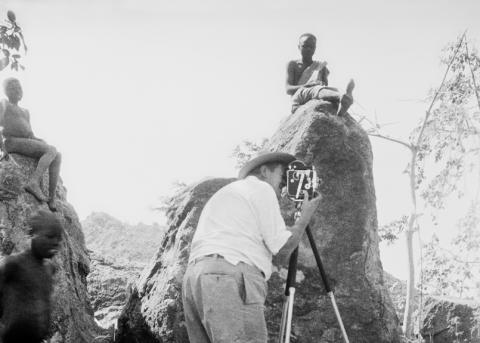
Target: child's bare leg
column 36, row 149
column 53, row 173
column 347, row 99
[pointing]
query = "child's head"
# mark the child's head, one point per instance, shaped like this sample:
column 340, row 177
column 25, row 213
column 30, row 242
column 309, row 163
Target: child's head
column 307, row 44
column 13, row 89
column 46, row 231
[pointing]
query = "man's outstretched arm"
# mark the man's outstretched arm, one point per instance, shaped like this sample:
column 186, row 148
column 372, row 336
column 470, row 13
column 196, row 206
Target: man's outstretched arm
column 298, row 229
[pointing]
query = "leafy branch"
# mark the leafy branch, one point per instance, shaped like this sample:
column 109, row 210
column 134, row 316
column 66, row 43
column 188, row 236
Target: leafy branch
column 11, row 40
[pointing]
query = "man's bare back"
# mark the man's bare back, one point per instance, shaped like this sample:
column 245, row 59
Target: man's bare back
column 295, row 70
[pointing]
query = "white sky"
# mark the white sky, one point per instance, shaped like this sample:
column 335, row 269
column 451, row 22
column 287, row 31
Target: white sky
column 138, row 94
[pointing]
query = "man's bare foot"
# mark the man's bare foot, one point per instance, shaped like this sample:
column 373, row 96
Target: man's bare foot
column 347, row 99
column 350, row 87
column 34, row 189
column 52, row 205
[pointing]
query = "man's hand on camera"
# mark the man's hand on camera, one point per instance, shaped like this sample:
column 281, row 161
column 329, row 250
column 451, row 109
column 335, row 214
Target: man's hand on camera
column 309, row 206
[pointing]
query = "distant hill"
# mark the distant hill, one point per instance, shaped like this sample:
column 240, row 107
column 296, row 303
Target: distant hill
column 120, row 242
column 118, row 253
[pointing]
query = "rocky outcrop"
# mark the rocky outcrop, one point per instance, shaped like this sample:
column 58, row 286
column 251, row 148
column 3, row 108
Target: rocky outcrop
column 73, row 320
column 119, row 252
column 451, row 320
column 345, row 230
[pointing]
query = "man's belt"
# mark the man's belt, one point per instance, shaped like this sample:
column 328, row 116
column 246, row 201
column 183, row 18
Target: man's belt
column 198, row 259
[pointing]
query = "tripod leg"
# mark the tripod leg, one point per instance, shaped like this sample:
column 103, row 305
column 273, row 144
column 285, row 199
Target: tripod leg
column 286, row 323
column 339, row 318
column 283, row 323
column 326, row 283
column 288, row 330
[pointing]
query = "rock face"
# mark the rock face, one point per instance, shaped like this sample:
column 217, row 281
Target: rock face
column 108, row 284
column 154, row 311
column 451, row 320
column 73, row 320
column 119, row 252
column 345, row 230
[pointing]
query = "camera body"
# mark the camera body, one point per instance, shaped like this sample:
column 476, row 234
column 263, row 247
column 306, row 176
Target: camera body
column 300, row 178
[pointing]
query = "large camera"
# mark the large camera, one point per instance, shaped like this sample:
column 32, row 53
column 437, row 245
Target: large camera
column 301, row 177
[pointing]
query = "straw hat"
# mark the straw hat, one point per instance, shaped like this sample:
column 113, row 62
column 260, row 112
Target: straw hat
column 262, row 158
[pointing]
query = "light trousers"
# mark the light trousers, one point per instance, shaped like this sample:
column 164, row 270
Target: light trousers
column 224, row 303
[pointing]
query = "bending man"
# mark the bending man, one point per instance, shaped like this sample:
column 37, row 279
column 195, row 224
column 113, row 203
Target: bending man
column 239, row 230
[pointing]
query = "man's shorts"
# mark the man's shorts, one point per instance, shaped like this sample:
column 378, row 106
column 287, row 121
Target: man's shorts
column 224, row 302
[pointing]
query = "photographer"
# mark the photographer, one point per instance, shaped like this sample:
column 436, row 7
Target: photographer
column 239, row 230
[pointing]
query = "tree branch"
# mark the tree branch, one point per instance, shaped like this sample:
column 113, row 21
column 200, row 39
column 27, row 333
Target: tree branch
column 427, row 114
column 473, row 75
column 391, row 139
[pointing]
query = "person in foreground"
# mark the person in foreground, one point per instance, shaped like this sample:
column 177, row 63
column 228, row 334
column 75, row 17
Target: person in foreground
column 239, row 231
column 19, row 138
column 26, row 283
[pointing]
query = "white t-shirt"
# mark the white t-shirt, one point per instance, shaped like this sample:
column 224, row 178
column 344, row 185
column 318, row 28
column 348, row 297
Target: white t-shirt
column 242, row 222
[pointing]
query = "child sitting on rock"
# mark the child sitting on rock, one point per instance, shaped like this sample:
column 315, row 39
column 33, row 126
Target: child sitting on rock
column 19, row 138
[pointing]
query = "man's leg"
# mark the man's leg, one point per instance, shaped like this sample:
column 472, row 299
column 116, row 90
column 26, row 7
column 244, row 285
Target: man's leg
column 35, row 149
column 53, row 173
column 196, row 331
column 228, row 303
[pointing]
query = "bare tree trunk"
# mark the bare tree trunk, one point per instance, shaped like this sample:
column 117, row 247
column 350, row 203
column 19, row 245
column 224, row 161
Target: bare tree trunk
column 407, row 316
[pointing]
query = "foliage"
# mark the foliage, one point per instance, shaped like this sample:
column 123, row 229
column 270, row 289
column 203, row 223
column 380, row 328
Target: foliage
column 444, row 147
column 450, row 143
column 11, row 40
column 165, row 201
column 390, row 232
column 455, row 271
column 246, row 150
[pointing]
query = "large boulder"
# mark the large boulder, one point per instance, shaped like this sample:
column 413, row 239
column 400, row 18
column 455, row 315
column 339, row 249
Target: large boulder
column 345, row 229
column 449, row 320
column 73, row 320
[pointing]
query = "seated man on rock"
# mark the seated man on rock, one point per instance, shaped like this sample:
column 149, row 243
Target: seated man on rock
column 308, row 79
column 18, row 138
